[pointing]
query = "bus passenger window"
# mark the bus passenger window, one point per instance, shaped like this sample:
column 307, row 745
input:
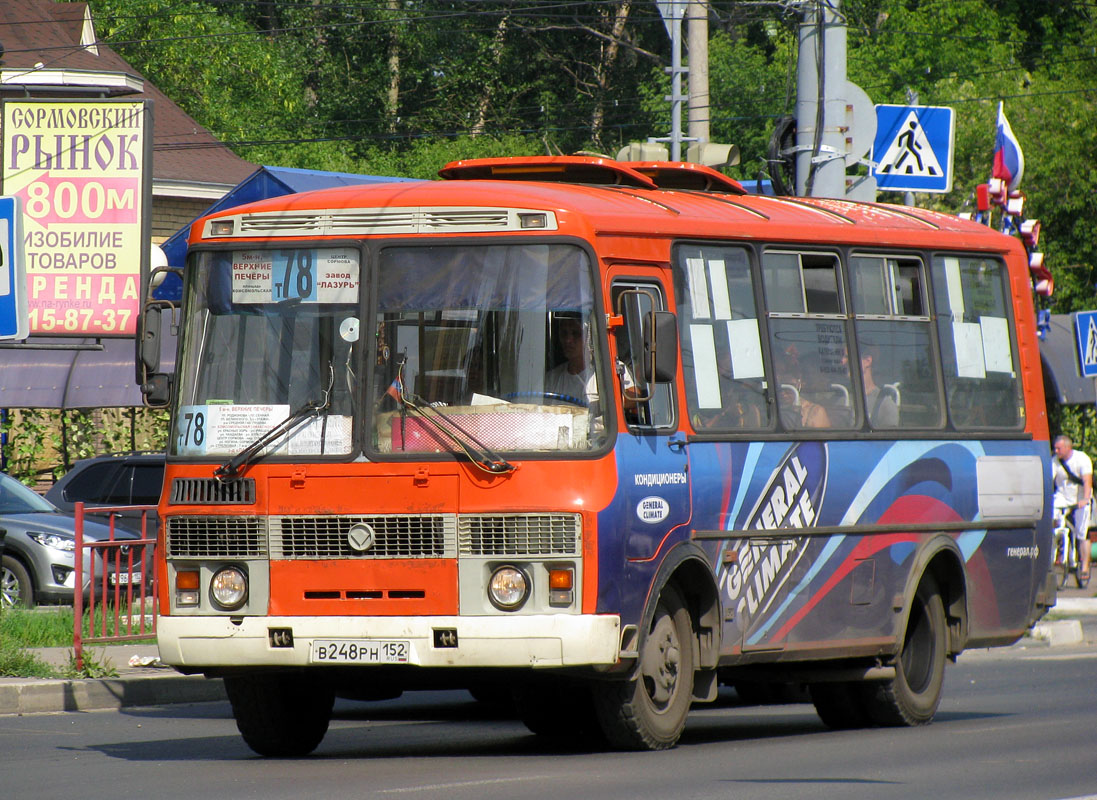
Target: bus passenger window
column 808, row 339
column 899, row 376
column 720, row 340
column 977, row 352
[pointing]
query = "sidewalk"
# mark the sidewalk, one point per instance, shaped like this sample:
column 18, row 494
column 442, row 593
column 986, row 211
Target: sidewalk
column 143, row 681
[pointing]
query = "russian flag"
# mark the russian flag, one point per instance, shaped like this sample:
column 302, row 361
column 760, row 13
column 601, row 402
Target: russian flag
column 1009, row 161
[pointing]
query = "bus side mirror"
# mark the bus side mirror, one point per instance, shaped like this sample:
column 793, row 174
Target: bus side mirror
column 149, row 354
column 156, row 390
column 660, row 347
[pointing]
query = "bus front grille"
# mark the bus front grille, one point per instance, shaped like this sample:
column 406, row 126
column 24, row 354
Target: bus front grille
column 519, row 534
column 378, row 536
column 216, row 537
column 374, row 536
column 210, row 491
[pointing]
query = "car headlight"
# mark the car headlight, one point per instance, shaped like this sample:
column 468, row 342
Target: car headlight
column 229, row 588
column 54, row 540
column 508, row 588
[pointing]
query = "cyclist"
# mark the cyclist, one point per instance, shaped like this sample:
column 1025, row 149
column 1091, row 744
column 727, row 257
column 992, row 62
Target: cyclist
column 1072, row 475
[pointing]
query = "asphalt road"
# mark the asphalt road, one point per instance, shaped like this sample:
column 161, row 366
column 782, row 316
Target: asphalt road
column 1015, row 723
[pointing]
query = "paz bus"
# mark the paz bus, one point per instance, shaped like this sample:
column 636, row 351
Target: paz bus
column 608, row 436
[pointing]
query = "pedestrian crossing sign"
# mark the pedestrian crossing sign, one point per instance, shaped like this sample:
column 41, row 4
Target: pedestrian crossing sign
column 912, row 151
column 1085, row 328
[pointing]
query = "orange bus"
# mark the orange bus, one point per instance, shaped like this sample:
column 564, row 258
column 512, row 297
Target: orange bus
column 605, row 436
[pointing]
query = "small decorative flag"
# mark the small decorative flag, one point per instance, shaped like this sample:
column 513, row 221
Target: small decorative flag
column 1009, row 161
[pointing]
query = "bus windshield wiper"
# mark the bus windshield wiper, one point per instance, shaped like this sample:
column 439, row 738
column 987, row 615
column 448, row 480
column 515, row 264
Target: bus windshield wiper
column 235, row 465
column 479, row 453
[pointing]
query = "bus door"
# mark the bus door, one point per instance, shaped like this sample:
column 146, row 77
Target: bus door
column 653, row 489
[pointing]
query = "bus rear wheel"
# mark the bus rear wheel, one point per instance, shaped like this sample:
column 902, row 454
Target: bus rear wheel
column 912, row 696
column 648, row 711
column 280, row 715
column 841, row 705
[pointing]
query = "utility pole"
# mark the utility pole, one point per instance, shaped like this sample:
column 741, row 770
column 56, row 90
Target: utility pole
column 820, row 103
column 697, row 48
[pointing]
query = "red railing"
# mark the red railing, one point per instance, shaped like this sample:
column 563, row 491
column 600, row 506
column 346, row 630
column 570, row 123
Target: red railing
column 122, row 583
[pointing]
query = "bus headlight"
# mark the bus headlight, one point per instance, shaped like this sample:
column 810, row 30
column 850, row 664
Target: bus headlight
column 229, row 588
column 508, row 588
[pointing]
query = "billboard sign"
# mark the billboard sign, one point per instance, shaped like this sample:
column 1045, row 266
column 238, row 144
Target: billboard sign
column 83, row 172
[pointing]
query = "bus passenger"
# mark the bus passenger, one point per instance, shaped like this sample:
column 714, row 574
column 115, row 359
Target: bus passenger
column 883, row 411
column 797, row 411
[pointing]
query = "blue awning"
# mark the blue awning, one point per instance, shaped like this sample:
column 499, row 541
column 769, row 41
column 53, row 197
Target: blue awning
column 1063, row 381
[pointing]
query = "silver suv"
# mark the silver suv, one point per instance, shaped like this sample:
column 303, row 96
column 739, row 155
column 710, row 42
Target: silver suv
column 38, row 563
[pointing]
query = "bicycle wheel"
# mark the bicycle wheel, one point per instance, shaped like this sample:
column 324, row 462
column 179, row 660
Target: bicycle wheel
column 1062, row 562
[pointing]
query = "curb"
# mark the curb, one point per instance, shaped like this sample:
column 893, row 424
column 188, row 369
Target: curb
column 18, row 696
column 158, row 688
column 1059, row 632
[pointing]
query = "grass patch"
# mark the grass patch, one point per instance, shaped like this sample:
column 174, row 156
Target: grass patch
column 23, row 629
column 52, row 626
column 45, row 627
column 18, row 663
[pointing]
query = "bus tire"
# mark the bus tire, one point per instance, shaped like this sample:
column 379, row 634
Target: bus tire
column 558, row 709
column 648, row 711
column 841, row 706
column 912, row 696
column 280, row 715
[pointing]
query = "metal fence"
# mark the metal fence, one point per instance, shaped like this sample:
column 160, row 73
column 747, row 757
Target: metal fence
column 121, row 585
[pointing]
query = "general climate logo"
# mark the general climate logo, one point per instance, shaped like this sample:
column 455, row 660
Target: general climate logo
column 790, row 500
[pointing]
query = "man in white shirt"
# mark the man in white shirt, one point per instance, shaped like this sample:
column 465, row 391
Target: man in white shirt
column 574, row 379
column 1072, row 475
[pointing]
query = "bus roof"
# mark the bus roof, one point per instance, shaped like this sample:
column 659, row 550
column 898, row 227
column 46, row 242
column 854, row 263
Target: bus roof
column 598, row 196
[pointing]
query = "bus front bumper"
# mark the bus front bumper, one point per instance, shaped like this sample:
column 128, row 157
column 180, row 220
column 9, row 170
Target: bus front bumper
column 512, row 641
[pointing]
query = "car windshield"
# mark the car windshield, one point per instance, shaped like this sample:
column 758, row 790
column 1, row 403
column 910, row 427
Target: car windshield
column 15, row 498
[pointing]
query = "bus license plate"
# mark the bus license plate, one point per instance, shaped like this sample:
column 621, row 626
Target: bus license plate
column 359, row 651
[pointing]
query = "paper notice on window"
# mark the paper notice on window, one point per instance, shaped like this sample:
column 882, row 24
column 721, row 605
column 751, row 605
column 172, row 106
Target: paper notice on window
column 721, row 300
column 698, row 288
column 329, row 435
column 996, row 347
column 967, row 337
column 224, row 428
column 955, row 287
column 746, row 349
column 705, row 372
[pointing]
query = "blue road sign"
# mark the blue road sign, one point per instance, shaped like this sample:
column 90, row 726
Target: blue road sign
column 913, row 148
column 1085, row 329
column 13, row 276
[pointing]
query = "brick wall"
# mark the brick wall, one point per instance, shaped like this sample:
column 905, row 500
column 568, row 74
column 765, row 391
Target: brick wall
column 169, row 214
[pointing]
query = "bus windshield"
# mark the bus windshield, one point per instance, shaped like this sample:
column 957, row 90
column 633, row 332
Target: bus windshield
column 494, row 343
column 269, row 332
column 485, row 348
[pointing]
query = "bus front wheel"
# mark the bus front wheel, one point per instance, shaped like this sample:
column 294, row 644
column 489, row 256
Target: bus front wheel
column 648, row 712
column 280, row 715
column 912, row 696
